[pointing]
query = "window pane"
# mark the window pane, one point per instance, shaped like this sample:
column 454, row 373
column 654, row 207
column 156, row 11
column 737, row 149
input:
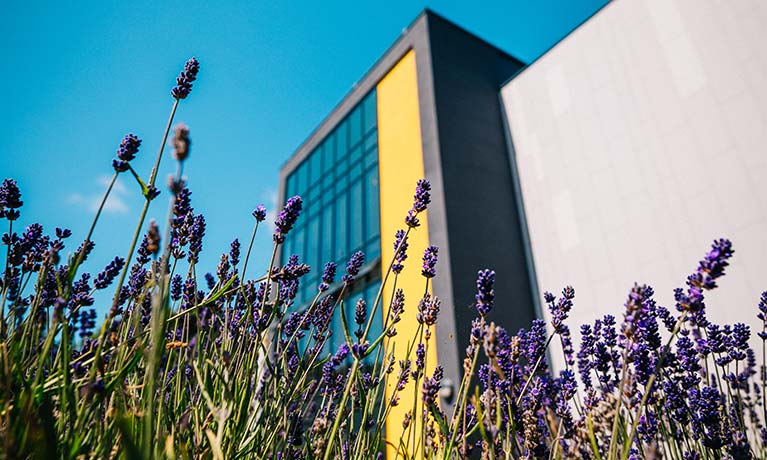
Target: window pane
column 326, row 251
column 355, row 126
column 316, row 165
column 301, row 178
column 328, row 153
column 355, row 154
column 290, row 186
column 341, row 233
column 370, row 112
column 313, row 246
column 355, row 172
column 342, row 143
column 371, row 203
column 355, row 218
column 371, row 157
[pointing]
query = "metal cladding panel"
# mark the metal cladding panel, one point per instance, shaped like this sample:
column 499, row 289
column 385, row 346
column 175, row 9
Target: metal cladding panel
column 483, row 226
column 639, row 139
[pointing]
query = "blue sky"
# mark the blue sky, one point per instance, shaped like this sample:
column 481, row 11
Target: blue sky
column 77, row 76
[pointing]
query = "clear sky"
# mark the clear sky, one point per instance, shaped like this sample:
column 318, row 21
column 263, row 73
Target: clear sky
column 77, row 76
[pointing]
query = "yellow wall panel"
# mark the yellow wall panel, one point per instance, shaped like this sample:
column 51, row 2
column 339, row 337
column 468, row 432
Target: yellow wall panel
column 400, row 163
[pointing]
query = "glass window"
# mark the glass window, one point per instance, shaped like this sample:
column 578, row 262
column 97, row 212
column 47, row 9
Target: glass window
column 371, row 140
column 341, row 232
column 313, row 246
column 371, row 157
column 355, row 126
column 328, row 154
column 327, row 183
column 355, row 216
column 290, row 186
column 326, row 250
column 342, row 140
column 355, row 154
column 341, row 184
column 370, row 117
column 301, row 178
column 355, row 172
column 316, row 165
column 371, row 203
column 298, row 243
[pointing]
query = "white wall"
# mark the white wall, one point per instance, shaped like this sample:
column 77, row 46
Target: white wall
column 639, row 139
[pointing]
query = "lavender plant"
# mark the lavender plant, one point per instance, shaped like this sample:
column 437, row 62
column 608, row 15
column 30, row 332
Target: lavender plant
column 224, row 365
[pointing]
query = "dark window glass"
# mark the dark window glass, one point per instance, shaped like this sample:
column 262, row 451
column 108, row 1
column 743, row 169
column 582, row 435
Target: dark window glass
column 356, row 217
column 342, row 140
column 328, row 154
column 326, row 251
column 355, row 172
column 290, row 186
column 313, row 240
column 371, row 140
column 316, row 165
column 341, row 232
column 301, row 178
column 371, row 203
column 370, row 117
column 355, row 126
column 371, row 157
column 355, row 154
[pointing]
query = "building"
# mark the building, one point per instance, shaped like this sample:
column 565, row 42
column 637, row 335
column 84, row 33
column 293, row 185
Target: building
column 428, row 108
column 640, row 138
column 614, row 158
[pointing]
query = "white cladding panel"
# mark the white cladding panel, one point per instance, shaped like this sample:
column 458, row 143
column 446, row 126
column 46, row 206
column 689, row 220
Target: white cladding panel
column 639, row 139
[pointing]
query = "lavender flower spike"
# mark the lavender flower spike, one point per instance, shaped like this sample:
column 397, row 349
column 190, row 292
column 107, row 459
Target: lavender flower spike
column 328, row 275
column 287, row 218
column 10, row 200
column 353, row 266
column 126, row 153
column 485, row 297
column 430, row 262
column 260, row 213
column 185, row 78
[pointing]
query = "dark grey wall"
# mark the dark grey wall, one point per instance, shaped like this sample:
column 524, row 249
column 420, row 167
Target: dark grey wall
column 483, row 223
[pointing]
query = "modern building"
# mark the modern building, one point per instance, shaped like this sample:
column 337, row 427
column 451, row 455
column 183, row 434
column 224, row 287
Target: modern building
column 428, row 108
column 637, row 140
column 617, row 156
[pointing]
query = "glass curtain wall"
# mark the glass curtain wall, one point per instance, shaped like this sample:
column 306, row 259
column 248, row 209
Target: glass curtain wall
column 338, row 182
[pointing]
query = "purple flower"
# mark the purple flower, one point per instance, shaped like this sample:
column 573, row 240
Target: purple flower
column 109, row 273
column 763, row 315
column 10, row 200
column 176, row 286
column 400, row 246
column 196, row 233
column 709, row 270
column 126, row 153
column 422, row 196
column 128, row 147
column 328, row 276
column 561, row 309
column 186, row 77
column 260, row 213
column 421, row 201
column 353, row 266
column 428, row 310
column 287, row 218
column 63, row 233
column 485, row 297
column 234, row 252
column 181, row 142
column 430, row 262
column 360, row 312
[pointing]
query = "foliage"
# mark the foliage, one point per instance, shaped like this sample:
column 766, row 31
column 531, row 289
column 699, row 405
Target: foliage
column 225, row 366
